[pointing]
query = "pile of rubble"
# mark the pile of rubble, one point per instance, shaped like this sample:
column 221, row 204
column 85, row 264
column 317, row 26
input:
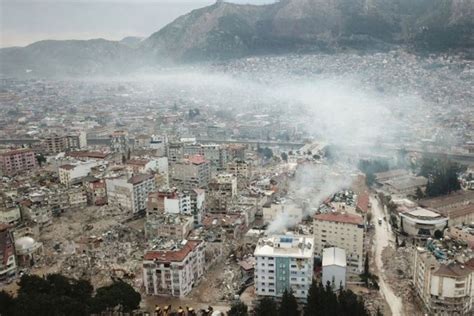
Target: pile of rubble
column 398, row 270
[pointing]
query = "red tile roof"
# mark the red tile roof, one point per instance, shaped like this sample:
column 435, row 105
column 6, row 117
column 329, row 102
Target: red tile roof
column 197, row 159
column 453, row 270
column 340, row 218
column 16, row 151
column 88, row 154
column 67, row 167
column 363, row 202
column 173, row 255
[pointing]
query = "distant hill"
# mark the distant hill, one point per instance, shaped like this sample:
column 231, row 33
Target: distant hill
column 226, row 30
column 67, row 58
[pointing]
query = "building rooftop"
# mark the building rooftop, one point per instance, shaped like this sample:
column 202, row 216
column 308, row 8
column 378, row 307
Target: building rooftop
column 285, row 246
column 15, row 151
column 363, row 202
column 340, row 218
column 440, row 202
column 197, row 159
column 140, row 178
column 87, row 154
column 334, row 256
column 173, row 255
column 453, row 270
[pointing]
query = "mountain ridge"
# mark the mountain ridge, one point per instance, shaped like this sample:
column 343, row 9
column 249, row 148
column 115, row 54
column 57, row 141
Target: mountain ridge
column 226, row 30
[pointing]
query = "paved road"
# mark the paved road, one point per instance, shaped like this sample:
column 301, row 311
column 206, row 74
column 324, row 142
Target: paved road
column 383, row 235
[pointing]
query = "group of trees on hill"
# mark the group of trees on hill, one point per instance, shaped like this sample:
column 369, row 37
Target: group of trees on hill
column 371, row 167
column 56, row 294
column 442, row 175
column 321, row 301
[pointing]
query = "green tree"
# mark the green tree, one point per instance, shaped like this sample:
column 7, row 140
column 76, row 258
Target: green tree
column 41, row 159
column 238, row 308
column 111, row 296
column 438, row 234
column 315, row 300
column 289, row 305
column 419, row 193
column 284, row 156
column 265, row 307
column 7, row 303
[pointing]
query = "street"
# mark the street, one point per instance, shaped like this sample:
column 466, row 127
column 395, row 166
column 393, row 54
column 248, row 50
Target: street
column 383, row 235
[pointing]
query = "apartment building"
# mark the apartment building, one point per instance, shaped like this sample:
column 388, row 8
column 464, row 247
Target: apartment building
column 18, row 160
column 54, row 144
column 445, row 288
column 119, row 142
column 240, row 169
column 284, row 263
column 221, row 193
column 173, row 201
column 130, row 194
column 344, row 231
column 77, row 197
column 73, row 173
column 96, row 192
column 190, row 173
column 7, row 253
column 174, row 226
column 174, row 272
column 215, row 154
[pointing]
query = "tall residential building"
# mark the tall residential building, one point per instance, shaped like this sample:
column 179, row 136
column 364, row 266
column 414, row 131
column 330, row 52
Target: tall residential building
column 221, row 193
column 7, row 253
column 174, row 272
column 119, row 142
column 18, row 160
column 444, row 288
column 190, row 173
column 130, row 194
column 344, row 231
column 173, row 201
column 96, row 192
column 215, row 154
column 284, row 263
column 54, row 144
column 70, row 174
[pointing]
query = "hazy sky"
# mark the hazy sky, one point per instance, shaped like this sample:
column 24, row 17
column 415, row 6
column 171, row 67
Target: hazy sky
column 25, row 21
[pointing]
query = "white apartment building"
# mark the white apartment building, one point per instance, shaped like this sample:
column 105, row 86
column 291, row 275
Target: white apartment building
column 334, row 267
column 130, row 194
column 73, row 173
column 344, row 231
column 174, row 272
column 284, row 263
column 444, row 288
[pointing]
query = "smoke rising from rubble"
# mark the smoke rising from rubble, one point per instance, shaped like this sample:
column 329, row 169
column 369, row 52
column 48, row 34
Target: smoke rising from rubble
column 310, row 187
column 335, row 110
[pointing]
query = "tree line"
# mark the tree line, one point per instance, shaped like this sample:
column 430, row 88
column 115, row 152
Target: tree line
column 321, row 301
column 56, row 294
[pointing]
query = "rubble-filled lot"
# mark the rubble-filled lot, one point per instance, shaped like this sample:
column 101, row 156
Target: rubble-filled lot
column 399, row 274
column 93, row 243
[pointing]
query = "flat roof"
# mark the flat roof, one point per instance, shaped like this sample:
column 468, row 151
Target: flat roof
column 285, row 246
column 334, row 256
